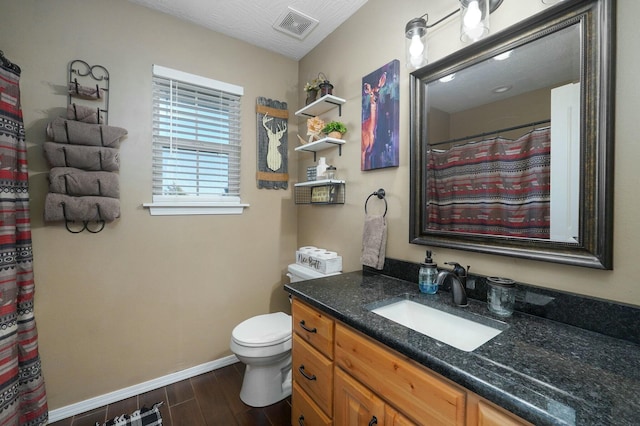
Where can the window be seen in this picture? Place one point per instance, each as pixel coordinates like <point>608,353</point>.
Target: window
<point>196,144</point>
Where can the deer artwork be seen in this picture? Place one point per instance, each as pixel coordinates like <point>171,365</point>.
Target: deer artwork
<point>369,124</point>
<point>274,158</point>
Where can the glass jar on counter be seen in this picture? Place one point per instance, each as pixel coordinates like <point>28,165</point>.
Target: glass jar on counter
<point>501,295</point>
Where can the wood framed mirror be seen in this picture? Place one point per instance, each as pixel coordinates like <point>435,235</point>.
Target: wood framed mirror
<point>512,141</point>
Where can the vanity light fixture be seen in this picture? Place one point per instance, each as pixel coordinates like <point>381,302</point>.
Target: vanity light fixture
<point>474,19</point>
<point>474,24</point>
<point>416,42</point>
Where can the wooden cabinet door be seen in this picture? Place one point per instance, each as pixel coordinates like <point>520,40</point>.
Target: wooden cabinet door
<point>483,413</point>
<point>393,418</point>
<point>354,404</point>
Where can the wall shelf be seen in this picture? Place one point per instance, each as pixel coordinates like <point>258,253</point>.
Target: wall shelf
<point>322,105</point>
<point>325,191</point>
<point>321,145</point>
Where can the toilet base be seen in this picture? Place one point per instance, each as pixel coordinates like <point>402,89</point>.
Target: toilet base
<point>266,384</point>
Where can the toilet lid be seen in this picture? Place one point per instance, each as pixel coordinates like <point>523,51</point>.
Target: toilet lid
<point>263,330</point>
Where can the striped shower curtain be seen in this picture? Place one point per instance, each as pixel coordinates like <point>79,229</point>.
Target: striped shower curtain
<point>22,392</point>
<point>496,186</point>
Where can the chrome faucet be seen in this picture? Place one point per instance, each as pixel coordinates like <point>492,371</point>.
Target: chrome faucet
<point>458,279</point>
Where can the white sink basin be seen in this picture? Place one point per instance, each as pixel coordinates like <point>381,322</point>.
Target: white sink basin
<point>461,333</point>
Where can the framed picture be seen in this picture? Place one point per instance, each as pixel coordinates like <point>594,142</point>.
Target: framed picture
<point>381,117</point>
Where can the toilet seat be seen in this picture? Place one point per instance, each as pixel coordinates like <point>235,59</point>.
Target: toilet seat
<point>263,330</point>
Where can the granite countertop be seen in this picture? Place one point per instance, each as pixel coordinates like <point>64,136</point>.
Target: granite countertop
<point>546,372</point>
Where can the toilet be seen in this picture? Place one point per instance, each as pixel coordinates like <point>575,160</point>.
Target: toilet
<point>263,344</point>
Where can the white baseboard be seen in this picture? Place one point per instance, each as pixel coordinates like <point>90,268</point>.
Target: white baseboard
<point>115,396</point>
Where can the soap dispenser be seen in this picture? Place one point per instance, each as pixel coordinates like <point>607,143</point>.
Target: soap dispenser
<point>427,275</point>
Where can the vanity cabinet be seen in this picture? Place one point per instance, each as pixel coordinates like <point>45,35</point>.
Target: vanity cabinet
<point>351,379</point>
<point>312,366</point>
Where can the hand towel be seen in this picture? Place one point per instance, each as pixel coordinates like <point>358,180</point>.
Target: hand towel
<point>60,207</point>
<point>86,92</point>
<point>84,114</point>
<point>91,158</point>
<point>78,133</point>
<point>76,182</point>
<point>374,241</point>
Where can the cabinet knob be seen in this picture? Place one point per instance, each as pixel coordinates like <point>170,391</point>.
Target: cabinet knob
<point>374,421</point>
<point>301,420</point>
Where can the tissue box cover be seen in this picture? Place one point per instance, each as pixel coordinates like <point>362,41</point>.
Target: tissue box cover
<point>324,266</point>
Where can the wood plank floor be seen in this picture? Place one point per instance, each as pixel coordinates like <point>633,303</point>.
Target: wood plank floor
<point>205,400</point>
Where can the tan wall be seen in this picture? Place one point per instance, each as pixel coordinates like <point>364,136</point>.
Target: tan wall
<point>514,111</point>
<point>373,37</point>
<point>148,296</point>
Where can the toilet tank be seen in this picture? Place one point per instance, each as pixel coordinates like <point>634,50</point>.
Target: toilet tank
<point>301,273</point>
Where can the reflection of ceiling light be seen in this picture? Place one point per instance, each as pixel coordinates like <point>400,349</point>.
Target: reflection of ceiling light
<point>502,89</point>
<point>503,56</point>
<point>448,78</point>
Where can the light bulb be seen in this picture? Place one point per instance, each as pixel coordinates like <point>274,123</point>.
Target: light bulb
<point>473,16</point>
<point>416,47</point>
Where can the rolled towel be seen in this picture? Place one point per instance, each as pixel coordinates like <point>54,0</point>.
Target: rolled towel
<point>90,158</point>
<point>85,92</point>
<point>60,207</point>
<point>374,241</point>
<point>78,133</point>
<point>84,114</point>
<point>76,182</point>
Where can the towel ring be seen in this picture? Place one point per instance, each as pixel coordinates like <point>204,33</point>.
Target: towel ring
<point>381,195</point>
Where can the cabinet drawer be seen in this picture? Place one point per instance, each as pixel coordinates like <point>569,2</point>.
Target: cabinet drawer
<point>314,373</point>
<point>314,327</point>
<point>417,392</point>
<point>304,412</point>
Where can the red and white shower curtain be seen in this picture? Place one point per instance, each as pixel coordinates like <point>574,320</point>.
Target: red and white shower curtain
<point>22,392</point>
<point>496,186</point>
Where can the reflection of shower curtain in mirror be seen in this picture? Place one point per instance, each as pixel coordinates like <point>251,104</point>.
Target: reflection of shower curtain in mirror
<point>496,186</point>
<point>23,400</point>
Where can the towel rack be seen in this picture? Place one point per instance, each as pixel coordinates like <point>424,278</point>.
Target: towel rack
<point>91,75</point>
<point>381,195</point>
<point>85,223</point>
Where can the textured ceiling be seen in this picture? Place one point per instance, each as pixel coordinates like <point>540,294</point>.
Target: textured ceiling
<point>253,21</point>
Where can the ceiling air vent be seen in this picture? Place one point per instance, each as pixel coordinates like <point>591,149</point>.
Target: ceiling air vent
<point>295,24</point>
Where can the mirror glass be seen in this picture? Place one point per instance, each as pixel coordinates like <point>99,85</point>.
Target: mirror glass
<point>511,141</point>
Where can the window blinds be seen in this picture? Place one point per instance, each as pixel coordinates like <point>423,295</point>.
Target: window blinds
<point>196,136</point>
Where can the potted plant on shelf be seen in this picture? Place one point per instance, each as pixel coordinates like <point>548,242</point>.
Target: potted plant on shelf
<point>334,129</point>
<point>311,88</point>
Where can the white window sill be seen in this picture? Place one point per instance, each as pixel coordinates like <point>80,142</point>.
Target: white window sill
<point>182,208</point>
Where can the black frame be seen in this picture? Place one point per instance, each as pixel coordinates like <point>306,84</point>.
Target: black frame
<point>595,249</point>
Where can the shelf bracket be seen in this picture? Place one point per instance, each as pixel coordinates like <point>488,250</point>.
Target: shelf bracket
<point>338,105</point>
